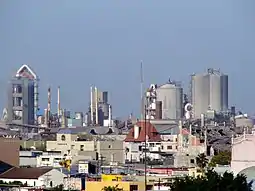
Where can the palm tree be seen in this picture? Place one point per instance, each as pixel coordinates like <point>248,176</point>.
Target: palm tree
<point>112,188</point>
<point>201,161</point>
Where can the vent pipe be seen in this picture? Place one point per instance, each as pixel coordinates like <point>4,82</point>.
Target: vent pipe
<point>91,106</point>
<point>96,105</point>
<point>110,115</point>
<point>49,100</point>
<point>59,110</point>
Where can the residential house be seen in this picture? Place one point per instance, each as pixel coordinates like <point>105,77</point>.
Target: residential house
<point>165,139</point>
<point>34,177</point>
<point>243,159</point>
<point>83,146</point>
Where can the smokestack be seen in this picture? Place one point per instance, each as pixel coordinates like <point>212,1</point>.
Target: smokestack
<point>91,105</point>
<point>110,115</point>
<point>96,105</point>
<point>59,102</point>
<point>46,117</point>
<point>49,100</point>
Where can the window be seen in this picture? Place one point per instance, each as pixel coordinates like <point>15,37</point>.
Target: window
<point>192,161</point>
<point>63,138</point>
<point>169,147</point>
<point>82,147</point>
<point>140,148</point>
<point>133,187</point>
<point>109,146</point>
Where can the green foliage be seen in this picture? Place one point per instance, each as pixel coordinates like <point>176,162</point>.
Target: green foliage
<point>212,181</point>
<point>223,158</point>
<point>201,161</point>
<point>14,183</point>
<point>112,188</point>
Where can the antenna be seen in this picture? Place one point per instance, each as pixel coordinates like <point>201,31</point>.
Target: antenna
<point>141,83</point>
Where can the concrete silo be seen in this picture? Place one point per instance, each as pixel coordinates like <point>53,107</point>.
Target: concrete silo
<point>209,91</point>
<point>171,96</point>
<point>224,93</point>
<point>200,90</point>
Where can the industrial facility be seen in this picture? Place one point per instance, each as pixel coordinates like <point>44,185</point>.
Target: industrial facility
<point>100,111</point>
<point>23,97</point>
<point>165,101</point>
<point>209,92</point>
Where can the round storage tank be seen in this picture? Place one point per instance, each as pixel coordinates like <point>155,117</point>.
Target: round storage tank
<point>224,89</point>
<point>200,91</point>
<point>171,96</point>
<point>215,92</point>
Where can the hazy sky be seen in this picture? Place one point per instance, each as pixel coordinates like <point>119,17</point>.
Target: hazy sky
<point>75,44</point>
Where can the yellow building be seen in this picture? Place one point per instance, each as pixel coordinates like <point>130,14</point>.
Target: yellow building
<point>194,172</point>
<point>126,186</point>
<point>111,177</point>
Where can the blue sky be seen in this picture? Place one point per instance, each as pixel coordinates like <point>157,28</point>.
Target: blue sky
<point>76,44</point>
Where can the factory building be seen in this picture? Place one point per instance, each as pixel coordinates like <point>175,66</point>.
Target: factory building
<point>21,101</point>
<point>23,97</point>
<point>209,91</point>
<point>99,110</point>
<point>165,101</point>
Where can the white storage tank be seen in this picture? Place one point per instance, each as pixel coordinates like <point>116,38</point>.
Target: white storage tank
<point>171,96</point>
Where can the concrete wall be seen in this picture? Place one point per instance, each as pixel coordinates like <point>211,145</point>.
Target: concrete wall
<point>241,158</point>
<point>110,150</point>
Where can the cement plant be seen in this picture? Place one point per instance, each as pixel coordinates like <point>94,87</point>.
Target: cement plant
<point>75,148</point>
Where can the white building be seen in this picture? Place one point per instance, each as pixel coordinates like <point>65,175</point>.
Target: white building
<point>40,159</point>
<point>34,177</point>
<point>49,160</point>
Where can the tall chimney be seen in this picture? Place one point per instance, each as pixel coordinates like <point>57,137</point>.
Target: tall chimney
<point>96,105</point>
<point>49,102</point>
<point>46,117</point>
<point>110,116</point>
<point>91,105</point>
<point>59,102</point>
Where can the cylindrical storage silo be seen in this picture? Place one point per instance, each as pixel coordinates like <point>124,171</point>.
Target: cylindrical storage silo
<point>215,92</point>
<point>224,92</point>
<point>158,110</point>
<point>200,90</point>
<point>171,96</point>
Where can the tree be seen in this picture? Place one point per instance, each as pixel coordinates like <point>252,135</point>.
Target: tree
<point>112,188</point>
<point>223,158</point>
<point>201,161</point>
<point>212,181</point>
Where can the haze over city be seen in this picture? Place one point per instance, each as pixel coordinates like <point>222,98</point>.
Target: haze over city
<point>76,44</point>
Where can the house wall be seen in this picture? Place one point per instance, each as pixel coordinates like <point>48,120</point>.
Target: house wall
<point>75,184</point>
<point>30,182</point>
<point>49,160</point>
<point>54,176</point>
<point>27,161</point>
<point>241,158</point>
<point>110,150</point>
